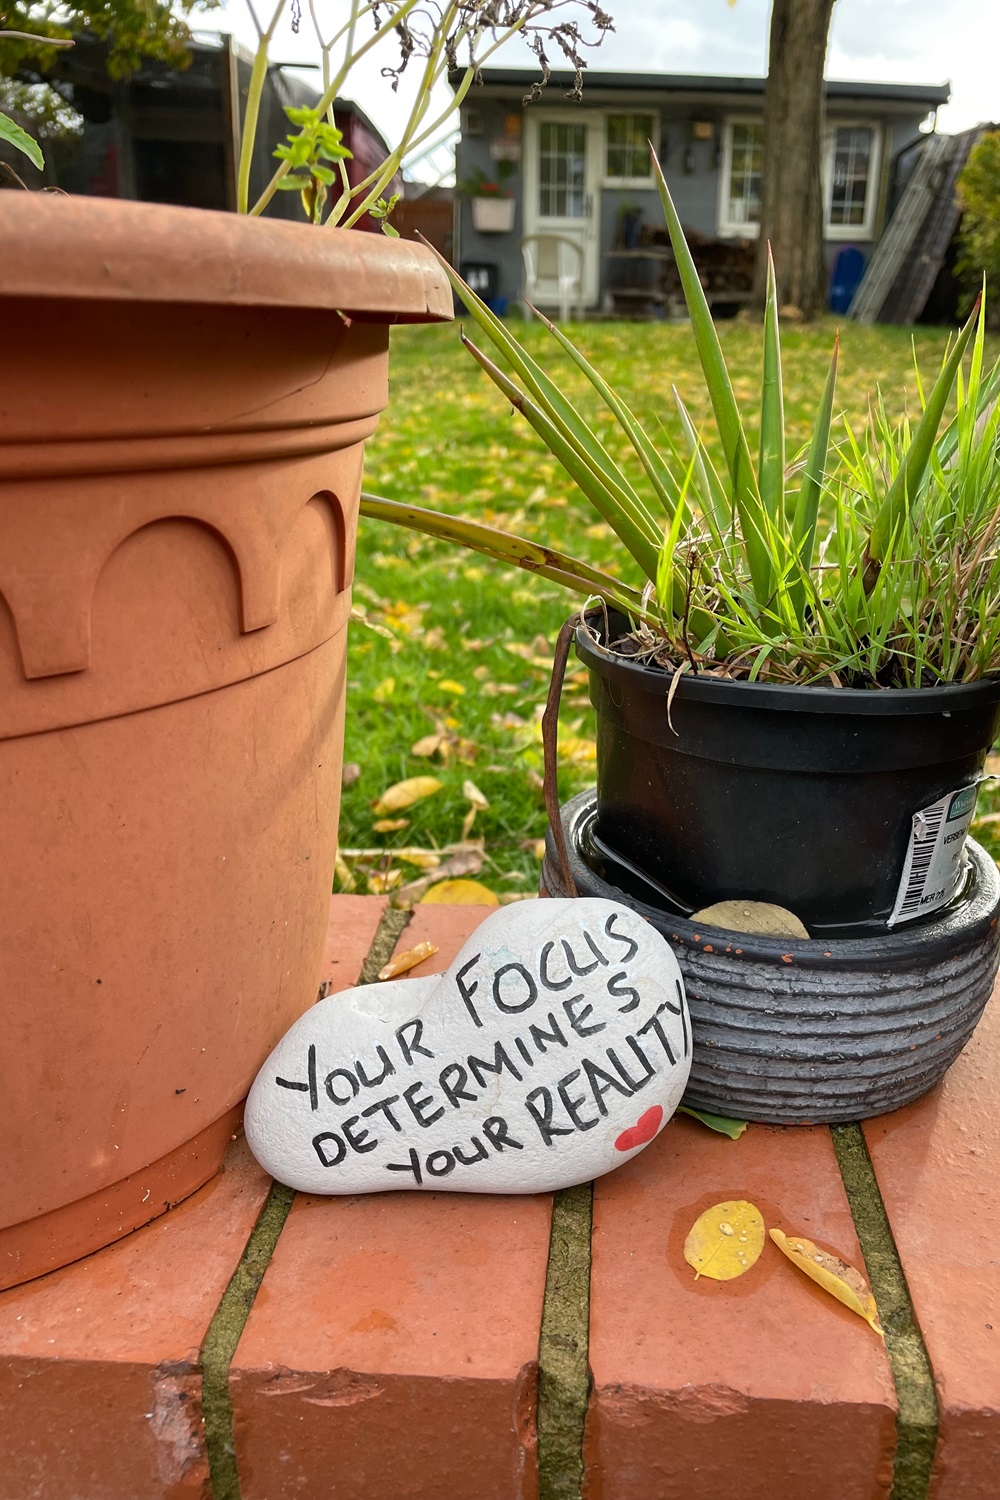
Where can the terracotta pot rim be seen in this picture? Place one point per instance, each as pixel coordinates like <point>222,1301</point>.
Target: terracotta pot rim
<point>74,247</point>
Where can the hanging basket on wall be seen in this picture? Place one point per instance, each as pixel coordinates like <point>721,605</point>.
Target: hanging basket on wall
<point>493,215</point>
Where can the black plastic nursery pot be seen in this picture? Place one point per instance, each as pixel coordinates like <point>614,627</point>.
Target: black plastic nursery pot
<point>807,797</point>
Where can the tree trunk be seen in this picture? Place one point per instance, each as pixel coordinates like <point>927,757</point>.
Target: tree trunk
<point>792,193</point>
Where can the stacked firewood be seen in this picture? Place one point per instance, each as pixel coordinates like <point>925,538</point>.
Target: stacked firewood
<point>724,266</point>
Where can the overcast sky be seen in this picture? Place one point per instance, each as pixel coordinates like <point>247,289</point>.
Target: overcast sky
<point>904,41</point>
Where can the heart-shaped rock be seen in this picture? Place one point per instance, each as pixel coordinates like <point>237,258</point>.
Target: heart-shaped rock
<point>557,1043</point>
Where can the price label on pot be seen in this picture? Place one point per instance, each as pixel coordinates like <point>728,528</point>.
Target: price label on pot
<point>935,858</point>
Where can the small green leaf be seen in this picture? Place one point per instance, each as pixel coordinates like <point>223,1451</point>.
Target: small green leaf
<point>733,1128</point>
<point>287,184</point>
<point>388,229</point>
<point>21,141</point>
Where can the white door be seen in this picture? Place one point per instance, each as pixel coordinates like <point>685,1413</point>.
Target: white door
<point>562,174</point>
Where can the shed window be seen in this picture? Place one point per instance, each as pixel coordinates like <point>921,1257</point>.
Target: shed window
<point>562,170</point>
<point>850,155</point>
<point>850,164</point>
<point>627,145</point>
<point>746,161</point>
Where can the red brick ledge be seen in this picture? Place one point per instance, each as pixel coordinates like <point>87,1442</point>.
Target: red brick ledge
<point>391,1348</point>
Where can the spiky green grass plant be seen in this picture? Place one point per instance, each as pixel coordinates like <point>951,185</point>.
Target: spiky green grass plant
<point>870,559</point>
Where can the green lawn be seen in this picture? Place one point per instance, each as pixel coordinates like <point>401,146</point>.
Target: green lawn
<point>455,649</point>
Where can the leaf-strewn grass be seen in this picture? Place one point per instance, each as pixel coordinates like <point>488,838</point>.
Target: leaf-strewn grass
<point>456,647</point>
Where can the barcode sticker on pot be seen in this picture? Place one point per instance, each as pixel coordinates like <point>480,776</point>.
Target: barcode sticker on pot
<point>935,858</point>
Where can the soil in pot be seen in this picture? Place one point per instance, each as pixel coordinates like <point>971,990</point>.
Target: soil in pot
<point>827,801</point>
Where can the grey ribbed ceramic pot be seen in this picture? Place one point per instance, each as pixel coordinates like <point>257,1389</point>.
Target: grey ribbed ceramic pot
<point>802,1031</point>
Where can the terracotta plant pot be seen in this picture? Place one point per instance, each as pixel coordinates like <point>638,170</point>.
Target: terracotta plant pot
<point>184,406</point>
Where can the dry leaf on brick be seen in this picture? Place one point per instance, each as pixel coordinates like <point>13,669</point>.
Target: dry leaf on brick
<point>725,1241</point>
<point>401,963</point>
<point>406,793</point>
<point>832,1274</point>
<point>460,893</point>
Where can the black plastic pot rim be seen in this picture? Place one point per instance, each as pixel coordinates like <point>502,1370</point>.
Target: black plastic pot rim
<point>910,944</point>
<point>795,698</point>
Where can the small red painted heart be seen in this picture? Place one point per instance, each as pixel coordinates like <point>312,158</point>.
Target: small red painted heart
<point>642,1131</point>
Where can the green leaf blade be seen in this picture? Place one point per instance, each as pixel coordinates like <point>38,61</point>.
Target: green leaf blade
<point>905,487</point>
<point>730,424</point>
<point>721,1123</point>
<point>771,464</point>
<point>21,141</point>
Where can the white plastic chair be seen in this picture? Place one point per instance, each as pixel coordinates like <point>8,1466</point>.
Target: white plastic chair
<point>552,258</point>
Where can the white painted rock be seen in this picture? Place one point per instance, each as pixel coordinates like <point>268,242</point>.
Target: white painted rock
<point>555,1047</point>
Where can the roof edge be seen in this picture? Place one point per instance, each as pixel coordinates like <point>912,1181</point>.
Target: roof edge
<point>932,94</point>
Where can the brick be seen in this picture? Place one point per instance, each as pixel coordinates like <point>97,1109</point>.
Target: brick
<point>448,927</point>
<point>99,1390</point>
<point>351,930</point>
<point>938,1169</point>
<point>392,1348</point>
<point>755,1387</point>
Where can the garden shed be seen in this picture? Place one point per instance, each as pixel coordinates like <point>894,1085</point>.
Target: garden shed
<point>579,171</point>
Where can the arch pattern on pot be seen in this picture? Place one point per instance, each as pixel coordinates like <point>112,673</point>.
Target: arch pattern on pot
<point>292,579</point>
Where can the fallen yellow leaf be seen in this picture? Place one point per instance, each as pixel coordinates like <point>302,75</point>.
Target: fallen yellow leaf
<point>468,821</point>
<point>448,685</point>
<point>472,794</point>
<point>832,1274</point>
<point>571,747</point>
<point>390,825</point>
<point>378,885</point>
<point>725,1241</point>
<point>429,745</point>
<point>424,859</point>
<point>460,893</point>
<point>403,962</point>
<point>405,793</point>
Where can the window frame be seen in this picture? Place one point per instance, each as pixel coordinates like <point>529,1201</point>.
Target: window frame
<point>726,229</point>
<point>866,229</point>
<point>648,181</point>
<point>560,119</point>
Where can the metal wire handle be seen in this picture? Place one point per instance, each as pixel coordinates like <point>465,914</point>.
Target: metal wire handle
<point>550,747</point>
